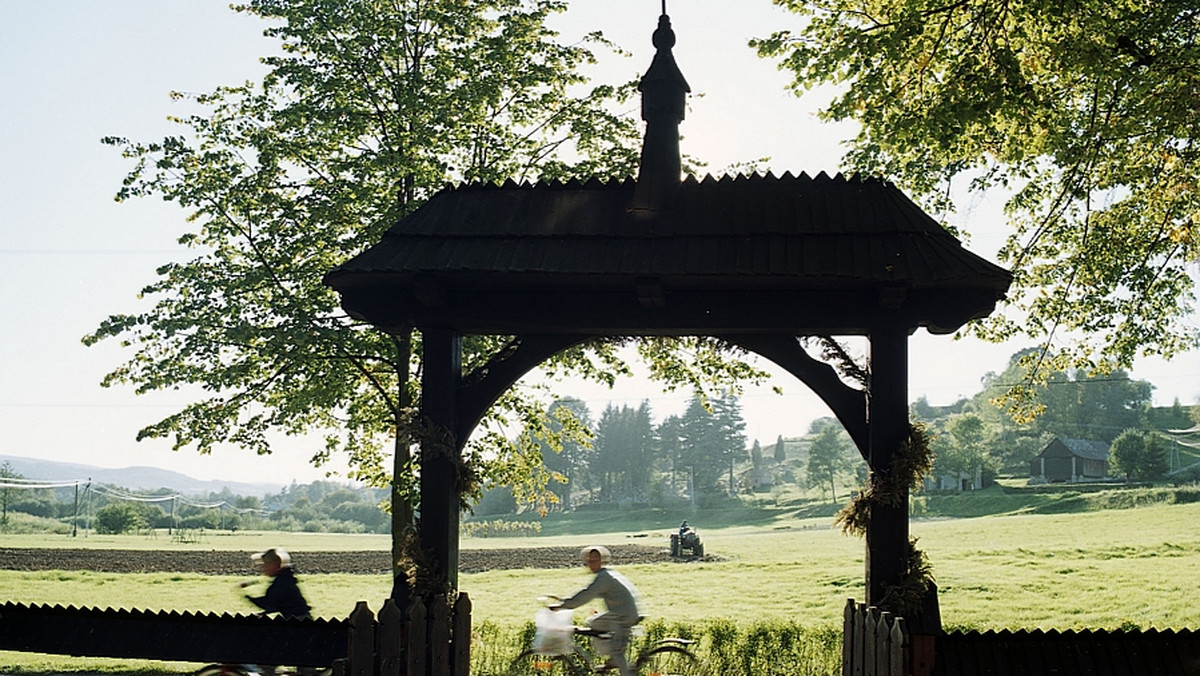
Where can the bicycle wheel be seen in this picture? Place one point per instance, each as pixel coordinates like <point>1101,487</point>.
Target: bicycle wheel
<point>669,660</point>
<point>530,663</point>
<point>223,670</point>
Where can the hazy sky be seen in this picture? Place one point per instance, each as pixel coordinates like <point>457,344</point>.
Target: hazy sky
<point>73,71</point>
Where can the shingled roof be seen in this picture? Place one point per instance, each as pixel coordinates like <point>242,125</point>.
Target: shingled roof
<point>1085,448</point>
<point>799,253</point>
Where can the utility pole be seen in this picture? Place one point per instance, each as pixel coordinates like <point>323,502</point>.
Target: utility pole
<point>692,485</point>
<point>87,498</point>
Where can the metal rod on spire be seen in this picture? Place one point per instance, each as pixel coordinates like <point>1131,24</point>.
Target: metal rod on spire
<point>664,6</point>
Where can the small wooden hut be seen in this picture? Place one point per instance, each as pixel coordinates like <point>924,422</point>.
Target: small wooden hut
<point>1072,460</point>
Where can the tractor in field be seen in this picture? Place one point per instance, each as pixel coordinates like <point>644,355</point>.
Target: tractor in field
<point>686,542</point>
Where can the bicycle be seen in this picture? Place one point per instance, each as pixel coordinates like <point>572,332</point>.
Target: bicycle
<point>259,670</point>
<point>669,656</point>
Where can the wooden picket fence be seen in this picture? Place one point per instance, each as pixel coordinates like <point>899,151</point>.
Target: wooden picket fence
<point>874,642</point>
<point>428,640</point>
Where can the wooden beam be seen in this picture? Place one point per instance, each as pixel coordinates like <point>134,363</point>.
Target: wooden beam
<point>484,385</point>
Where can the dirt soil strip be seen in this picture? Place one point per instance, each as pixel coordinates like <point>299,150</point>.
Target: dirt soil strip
<point>314,563</point>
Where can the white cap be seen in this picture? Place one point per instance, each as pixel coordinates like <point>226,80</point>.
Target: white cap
<point>605,555</point>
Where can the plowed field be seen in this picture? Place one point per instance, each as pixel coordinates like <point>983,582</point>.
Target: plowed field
<point>313,563</point>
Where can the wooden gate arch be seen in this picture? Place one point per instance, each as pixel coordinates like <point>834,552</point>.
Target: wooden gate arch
<point>757,261</point>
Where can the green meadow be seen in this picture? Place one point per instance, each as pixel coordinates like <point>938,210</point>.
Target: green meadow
<point>1029,565</point>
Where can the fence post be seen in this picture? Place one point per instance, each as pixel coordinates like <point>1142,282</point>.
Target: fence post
<point>883,630</point>
<point>869,634</point>
<point>899,641</point>
<point>860,632</point>
<point>848,637</point>
<point>389,639</point>
<point>361,649</point>
<point>439,635</point>
<point>461,657</point>
<point>416,646</point>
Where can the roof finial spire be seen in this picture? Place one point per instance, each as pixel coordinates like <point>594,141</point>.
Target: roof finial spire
<point>664,100</point>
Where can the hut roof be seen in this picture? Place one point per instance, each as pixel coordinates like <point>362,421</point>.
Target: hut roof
<point>1083,448</point>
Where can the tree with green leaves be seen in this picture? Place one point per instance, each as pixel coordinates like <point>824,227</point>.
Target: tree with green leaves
<point>1139,455</point>
<point>780,450</point>
<point>711,441</point>
<point>829,458</point>
<point>1084,112</point>
<point>367,110</point>
<point>624,453</point>
<point>1074,403</point>
<point>965,450</point>
<point>566,451</point>
<point>672,452</point>
<point>119,517</point>
<point>731,431</point>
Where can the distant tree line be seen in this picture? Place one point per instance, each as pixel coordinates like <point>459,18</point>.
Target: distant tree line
<point>702,455</point>
<point>623,457</point>
<point>321,506</point>
<point>974,435</point>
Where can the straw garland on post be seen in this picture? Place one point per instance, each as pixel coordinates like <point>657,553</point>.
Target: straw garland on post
<point>911,463</point>
<point>416,564</point>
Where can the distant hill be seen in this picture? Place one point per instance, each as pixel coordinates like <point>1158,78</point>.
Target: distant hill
<point>133,478</point>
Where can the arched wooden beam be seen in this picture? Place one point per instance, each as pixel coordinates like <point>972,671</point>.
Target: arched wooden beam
<point>483,386</point>
<point>848,404</point>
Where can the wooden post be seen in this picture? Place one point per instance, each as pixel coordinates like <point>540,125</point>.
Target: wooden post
<point>439,449</point>
<point>361,650</point>
<point>389,639</point>
<point>416,646</point>
<point>887,530</point>
<point>461,657</point>
<point>920,654</point>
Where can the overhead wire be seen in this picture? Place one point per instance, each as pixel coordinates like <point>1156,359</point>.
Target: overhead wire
<point>120,494</point>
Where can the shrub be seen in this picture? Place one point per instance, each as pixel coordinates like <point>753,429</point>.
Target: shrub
<point>26,524</point>
<point>723,646</point>
<point>119,517</point>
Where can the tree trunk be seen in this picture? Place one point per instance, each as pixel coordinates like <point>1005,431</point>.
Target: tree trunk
<point>402,511</point>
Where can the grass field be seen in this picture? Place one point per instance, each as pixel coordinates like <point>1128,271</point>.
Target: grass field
<point>1138,566</point>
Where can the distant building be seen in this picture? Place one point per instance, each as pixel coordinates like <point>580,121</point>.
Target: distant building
<point>1072,460</point>
<point>761,478</point>
<point>960,481</point>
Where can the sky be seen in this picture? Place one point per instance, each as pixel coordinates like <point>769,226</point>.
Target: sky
<point>74,71</point>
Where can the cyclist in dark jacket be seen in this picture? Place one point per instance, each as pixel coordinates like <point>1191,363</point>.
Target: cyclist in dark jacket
<point>283,594</point>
